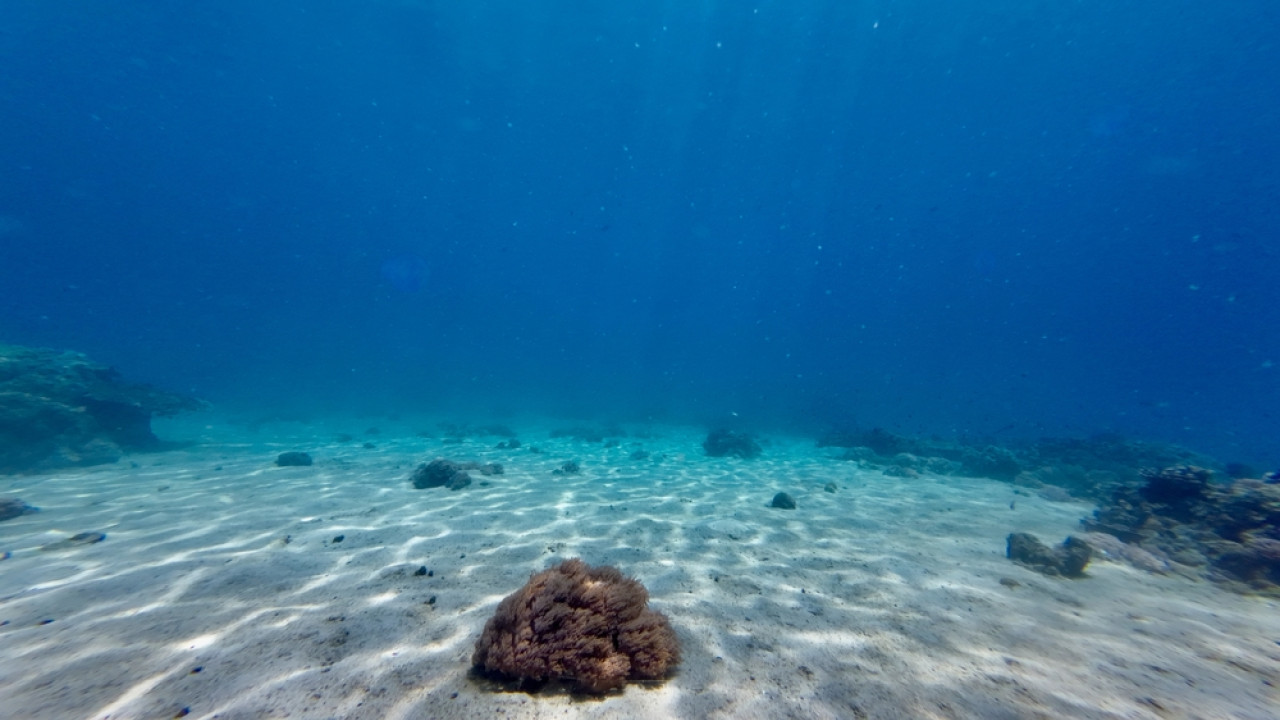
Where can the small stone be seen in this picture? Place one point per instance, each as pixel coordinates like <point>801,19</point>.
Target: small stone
<point>440,473</point>
<point>84,538</point>
<point>1068,559</point>
<point>783,501</point>
<point>829,487</point>
<point>570,467</point>
<point>11,508</point>
<point>339,538</point>
<point>293,459</point>
<point>421,572</point>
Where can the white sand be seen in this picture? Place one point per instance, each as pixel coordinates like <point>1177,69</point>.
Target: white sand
<point>882,600</point>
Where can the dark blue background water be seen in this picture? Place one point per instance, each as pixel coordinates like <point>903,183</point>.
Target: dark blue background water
<point>931,216</point>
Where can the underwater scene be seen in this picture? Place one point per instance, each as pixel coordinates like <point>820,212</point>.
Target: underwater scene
<point>847,359</point>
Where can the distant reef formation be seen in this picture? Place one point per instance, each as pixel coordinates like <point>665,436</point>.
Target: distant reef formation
<point>722,442</point>
<point>1090,468</point>
<point>60,409</point>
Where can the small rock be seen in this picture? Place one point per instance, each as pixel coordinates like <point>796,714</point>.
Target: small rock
<point>84,538</point>
<point>339,538</point>
<point>569,468</point>
<point>784,501</point>
<point>421,571</point>
<point>293,459</point>
<point>11,508</point>
<point>1068,559</point>
<point>829,487</point>
<point>438,473</point>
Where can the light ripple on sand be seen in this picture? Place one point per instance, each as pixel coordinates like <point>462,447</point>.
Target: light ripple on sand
<point>882,599</point>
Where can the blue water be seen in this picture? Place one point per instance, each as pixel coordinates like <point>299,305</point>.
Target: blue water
<point>1010,217</point>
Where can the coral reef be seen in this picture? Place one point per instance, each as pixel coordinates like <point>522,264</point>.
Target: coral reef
<point>60,409</point>
<point>586,625</point>
<point>1086,468</point>
<point>725,443</point>
<point>1175,486</point>
<point>1230,530</point>
<point>908,457</point>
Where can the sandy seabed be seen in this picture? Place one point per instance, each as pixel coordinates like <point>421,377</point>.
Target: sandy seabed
<point>222,590</point>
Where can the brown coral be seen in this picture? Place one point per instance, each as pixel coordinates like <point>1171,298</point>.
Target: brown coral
<point>588,625</point>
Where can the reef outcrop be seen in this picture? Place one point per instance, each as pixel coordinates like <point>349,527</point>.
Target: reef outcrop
<point>1230,531</point>
<point>60,409</point>
<point>1083,468</point>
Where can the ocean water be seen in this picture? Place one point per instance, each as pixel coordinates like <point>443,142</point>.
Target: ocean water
<point>544,257</point>
<point>1000,218</point>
